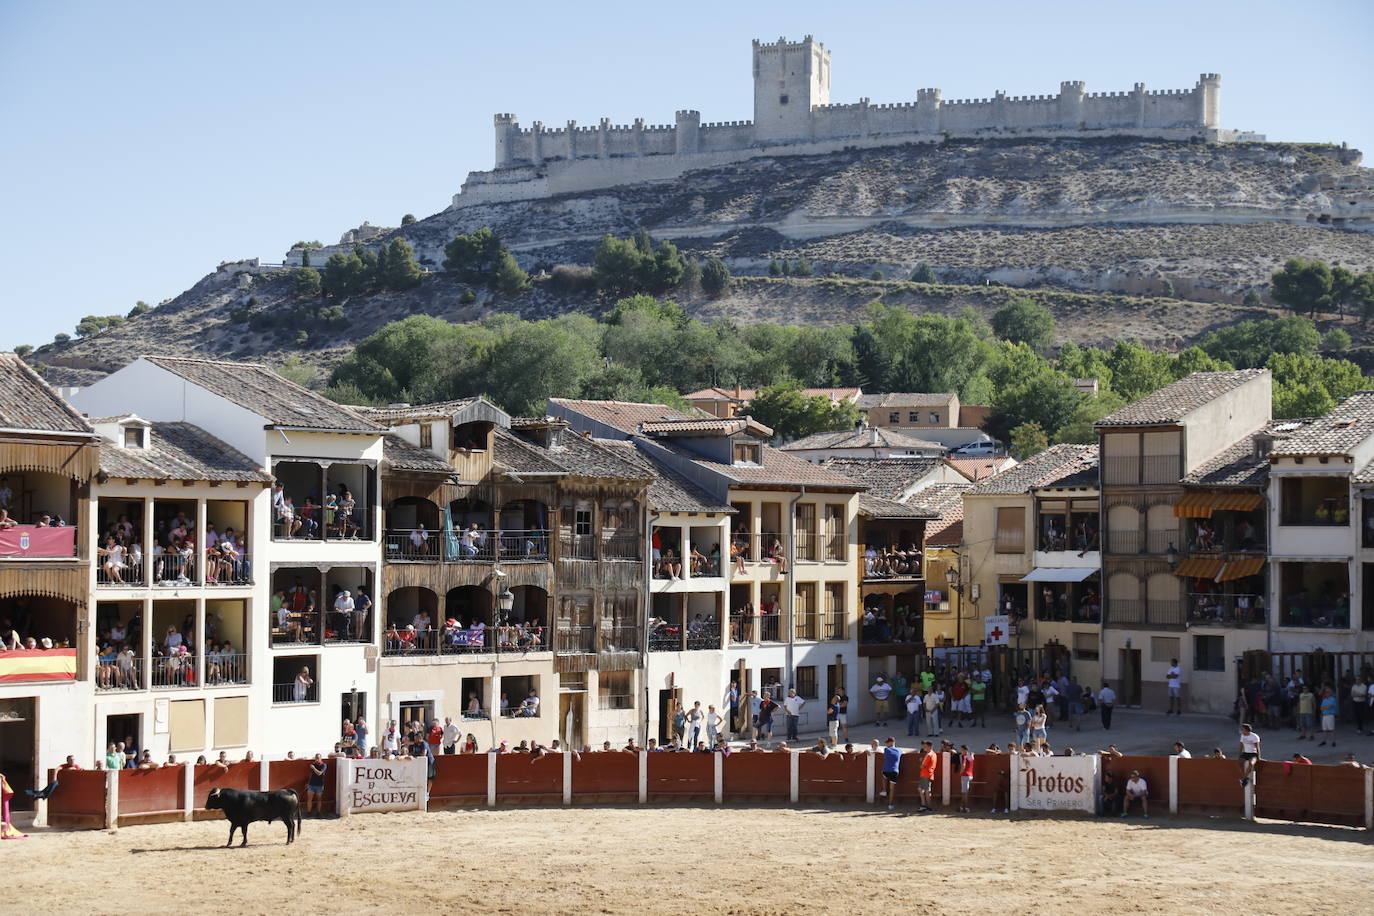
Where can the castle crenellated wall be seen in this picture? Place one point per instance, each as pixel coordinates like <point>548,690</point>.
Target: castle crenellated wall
<point>1073,108</point>
<point>793,115</point>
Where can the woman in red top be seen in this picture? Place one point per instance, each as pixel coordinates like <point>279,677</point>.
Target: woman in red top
<point>965,775</point>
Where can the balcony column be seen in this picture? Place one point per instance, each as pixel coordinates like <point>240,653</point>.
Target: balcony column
<point>146,650</point>
<point>148,540</point>
<point>199,558</point>
<point>684,549</point>
<point>200,630</point>
<point>324,491</point>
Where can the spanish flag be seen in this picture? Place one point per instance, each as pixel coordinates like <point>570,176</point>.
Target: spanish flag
<point>21,665</point>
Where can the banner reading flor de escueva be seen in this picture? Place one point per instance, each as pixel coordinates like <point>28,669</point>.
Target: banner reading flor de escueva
<point>381,785</point>
<point>1055,783</point>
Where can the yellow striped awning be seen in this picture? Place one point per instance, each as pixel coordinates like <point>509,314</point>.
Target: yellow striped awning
<point>1199,568</point>
<point>1202,505</point>
<point>1239,569</point>
<point>1239,501</point>
<point>1194,505</point>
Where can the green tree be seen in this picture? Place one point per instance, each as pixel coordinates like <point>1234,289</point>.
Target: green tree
<point>923,274</point>
<point>1336,340</point>
<point>877,275</point>
<point>792,413</point>
<point>473,257</point>
<point>545,359</point>
<point>1080,427</point>
<point>618,267</point>
<point>307,284</point>
<point>1249,344</point>
<point>1137,371</point>
<point>308,245</point>
<point>399,270</point>
<point>508,279</point>
<point>1084,362</point>
<point>643,242</point>
<point>61,338</point>
<point>691,275</point>
<point>23,350</point>
<point>94,324</point>
<point>467,297</point>
<point>715,278</point>
<point>1343,284</point>
<point>344,275</point>
<point>1362,296</point>
<point>1303,286</point>
<point>140,308</point>
<point>407,219</point>
<point>658,308</point>
<point>802,268</point>
<point>295,369</point>
<point>775,268</point>
<point>1252,299</point>
<point>1306,385</point>
<point>1024,321</point>
<point>664,270</point>
<point>1028,439</point>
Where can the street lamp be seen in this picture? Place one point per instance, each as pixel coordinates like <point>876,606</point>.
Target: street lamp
<point>504,602</point>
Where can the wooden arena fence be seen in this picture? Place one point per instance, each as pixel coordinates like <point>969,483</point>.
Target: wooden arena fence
<point>1284,791</point>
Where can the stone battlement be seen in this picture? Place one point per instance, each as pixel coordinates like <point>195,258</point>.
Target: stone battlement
<point>792,110</point>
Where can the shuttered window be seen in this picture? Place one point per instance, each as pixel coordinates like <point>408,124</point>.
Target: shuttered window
<point>1011,529</point>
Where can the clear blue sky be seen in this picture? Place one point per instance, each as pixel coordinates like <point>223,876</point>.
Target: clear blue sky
<point>143,143</point>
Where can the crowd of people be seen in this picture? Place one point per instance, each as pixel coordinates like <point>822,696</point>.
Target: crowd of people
<point>453,635</point>
<point>891,561</point>
<point>175,547</point>
<point>1311,709</point>
<point>298,617</point>
<point>334,517</point>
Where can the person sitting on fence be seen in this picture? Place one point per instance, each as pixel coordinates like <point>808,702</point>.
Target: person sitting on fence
<point>1137,790</point>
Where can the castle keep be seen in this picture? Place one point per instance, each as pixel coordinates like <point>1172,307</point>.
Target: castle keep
<point>792,109</point>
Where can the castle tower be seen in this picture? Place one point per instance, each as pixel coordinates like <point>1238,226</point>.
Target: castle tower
<point>790,78</point>
<point>1071,93</point>
<point>687,136</point>
<point>1209,99</point>
<point>506,125</point>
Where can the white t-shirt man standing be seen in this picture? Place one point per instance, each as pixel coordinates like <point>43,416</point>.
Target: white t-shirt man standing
<point>1174,679</point>
<point>880,690</point>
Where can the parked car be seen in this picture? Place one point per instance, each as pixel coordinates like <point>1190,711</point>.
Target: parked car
<point>983,449</point>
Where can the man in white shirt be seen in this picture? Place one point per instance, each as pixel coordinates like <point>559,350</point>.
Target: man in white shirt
<point>1106,700</point>
<point>452,735</point>
<point>343,610</point>
<point>530,705</point>
<point>915,706</point>
<point>792,706</point>
<point>1181,752</point>
<point>1174,678</point>
<point>880,690</point>
<point>1136,790</point>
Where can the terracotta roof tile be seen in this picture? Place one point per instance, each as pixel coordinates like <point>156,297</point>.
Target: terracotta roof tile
<point>947,501</point>
<point>872,437</point>
<point>721,426</point>
<point>888,478</point>
<point>668,490</point>
<point>257,388</point>
<point>403,456</point>
<point>1336,433</point>
<point>906,399</point>
<point>398,414</point>
<point>27,402</point>
<point>1054,463</point>
<point>1175,401</point>
<point>180,451</point>
<point>626,416</point>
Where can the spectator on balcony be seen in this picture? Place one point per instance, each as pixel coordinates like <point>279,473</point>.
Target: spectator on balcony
<point>468,542</point>
<point>362,607</point>
<point>300,689</point>
<point>113,559</point>
<point>287,522</point>
<point>670,567</point>
<point>697,559</point>
<point>344,606</point>
<point>5,520</point>
<point>776,555</point>
<point>347,526</point>
<point>419,541</point>
<point>423,623</point>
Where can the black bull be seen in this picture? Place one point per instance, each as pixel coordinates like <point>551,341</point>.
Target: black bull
<point>242,807</point>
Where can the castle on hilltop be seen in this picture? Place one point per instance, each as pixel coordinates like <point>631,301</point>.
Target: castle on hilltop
<point>792,109</point>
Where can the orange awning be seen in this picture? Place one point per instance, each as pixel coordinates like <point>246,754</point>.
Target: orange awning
<point>1240,501</point>
<point>1199,568</point>
<point>1239,569</point>
<point>1202,505</point>
<point>1195,505</point>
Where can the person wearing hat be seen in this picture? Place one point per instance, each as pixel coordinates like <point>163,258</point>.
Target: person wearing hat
<point>1136,790</point>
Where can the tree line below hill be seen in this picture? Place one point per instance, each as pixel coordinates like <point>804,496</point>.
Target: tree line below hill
<point>649,349</point>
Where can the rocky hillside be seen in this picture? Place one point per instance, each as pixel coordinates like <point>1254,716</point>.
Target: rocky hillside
<point>1098,228</point>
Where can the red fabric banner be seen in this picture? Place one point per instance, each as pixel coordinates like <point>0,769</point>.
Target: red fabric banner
<point>38,541</point>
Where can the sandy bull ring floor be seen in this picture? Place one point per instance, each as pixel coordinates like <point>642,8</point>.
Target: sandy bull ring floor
<point>696,860</point>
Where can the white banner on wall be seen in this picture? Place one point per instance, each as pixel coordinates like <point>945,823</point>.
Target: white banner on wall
<point>995,629</point>
<point>1054,783</point>
<point>381,785</point>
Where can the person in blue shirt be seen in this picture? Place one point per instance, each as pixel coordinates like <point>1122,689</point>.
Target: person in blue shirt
<point>892,771</point>
<point>1327,708</point>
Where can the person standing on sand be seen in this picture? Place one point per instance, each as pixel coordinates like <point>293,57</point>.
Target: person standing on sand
<point>1106,702</point>
<point>892,771</point>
